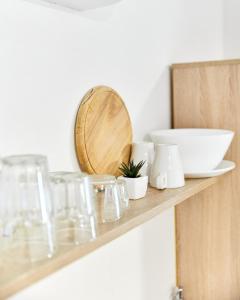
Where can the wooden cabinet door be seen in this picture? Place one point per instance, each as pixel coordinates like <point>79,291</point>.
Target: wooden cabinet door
<point>207,95</point>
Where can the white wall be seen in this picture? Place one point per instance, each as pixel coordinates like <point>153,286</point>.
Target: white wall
<point>49,58</point>
<point>232,29</point>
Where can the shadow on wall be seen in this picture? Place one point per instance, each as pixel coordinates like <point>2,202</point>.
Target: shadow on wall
<point>75,164</point>
<point>97,14</point>
<point>159,98</point>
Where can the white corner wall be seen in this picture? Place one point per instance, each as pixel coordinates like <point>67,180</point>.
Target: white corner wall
<point>231,38</point>
<point>49,58</point>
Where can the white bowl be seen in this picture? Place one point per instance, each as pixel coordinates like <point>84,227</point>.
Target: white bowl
<point>200,149</point>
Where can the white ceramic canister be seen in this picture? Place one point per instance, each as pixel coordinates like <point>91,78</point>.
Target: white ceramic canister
<point>143,151</point>
<point>167,170</point>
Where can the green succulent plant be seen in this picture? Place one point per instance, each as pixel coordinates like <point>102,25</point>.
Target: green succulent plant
<point>131,170</point>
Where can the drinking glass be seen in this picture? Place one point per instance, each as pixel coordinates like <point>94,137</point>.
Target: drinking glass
<point>108,205</point>
<point>59,192</point>
<point>143,151</point>
<point>26,208</point>
<point>74,208</point>
<point>112,206</point>
<point>123,193</point>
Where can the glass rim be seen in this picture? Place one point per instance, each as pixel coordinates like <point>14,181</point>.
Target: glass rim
<point>67,175</point>
<point>102,179</point>
<point>24,159</point>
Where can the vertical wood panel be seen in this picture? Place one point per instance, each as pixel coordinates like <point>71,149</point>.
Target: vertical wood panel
<point>208,225</point>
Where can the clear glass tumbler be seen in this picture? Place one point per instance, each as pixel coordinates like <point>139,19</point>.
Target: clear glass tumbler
<point>60,194</point>
<point>108,205</point>
<point>123,193</point>
<point>112,206</point>
<point>74,208</point>
<point>26,208</point>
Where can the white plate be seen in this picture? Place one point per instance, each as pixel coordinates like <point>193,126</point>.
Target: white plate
<point>223,167</point>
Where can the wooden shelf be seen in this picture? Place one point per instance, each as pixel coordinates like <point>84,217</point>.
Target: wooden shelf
<point>15,277</point>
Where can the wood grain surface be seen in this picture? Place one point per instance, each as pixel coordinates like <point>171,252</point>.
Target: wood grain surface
<point>103,132</point>
<point>15,276</point>
<point>207,95</point>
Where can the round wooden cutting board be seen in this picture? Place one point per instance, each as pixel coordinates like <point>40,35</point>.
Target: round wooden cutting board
<point>103,132</point>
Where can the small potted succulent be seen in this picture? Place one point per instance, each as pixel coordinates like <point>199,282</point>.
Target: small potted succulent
<point>136,183</point>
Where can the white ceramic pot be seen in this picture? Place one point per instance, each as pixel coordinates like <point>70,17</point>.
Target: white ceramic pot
<point>143,151</point>
<point>137,187</point>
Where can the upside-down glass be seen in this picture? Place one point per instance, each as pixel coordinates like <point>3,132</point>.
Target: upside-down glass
<point>59,193</point>
<point>74,208</point>
<point>26,208</point>
<point>108,205</point>
<point>123,193</point>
